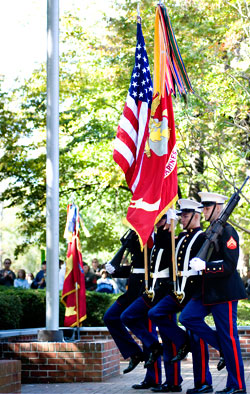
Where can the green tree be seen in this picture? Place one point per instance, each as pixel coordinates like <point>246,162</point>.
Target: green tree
<point>212,125</point>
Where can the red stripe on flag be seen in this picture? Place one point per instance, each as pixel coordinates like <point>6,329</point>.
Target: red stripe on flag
<point>125,138</point>
<point>129,114</point>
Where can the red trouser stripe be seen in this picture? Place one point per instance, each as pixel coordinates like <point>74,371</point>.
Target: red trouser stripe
<point>231,332</point>
<point>203,364</point>
<point>175,366</point>
<point>156,372</point>
<point>155,363</point>
<point>176,382</point>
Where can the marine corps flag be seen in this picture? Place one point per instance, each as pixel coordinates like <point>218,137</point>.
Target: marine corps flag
<point>73,294</point>
<point>156,190</point>
<point>146,151</point>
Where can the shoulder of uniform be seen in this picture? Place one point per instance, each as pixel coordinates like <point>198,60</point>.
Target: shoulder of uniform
<point>182,234</point>
<point>230,231</point>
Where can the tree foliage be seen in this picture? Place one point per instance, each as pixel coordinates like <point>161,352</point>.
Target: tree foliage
<point>212,125</point>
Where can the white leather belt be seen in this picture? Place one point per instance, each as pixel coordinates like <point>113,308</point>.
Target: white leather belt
<point>137,271</point>
<point>160,274</point>
<point>188,273</point>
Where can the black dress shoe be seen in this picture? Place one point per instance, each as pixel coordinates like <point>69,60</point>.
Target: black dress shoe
<point>166,388</point>
<point>227,390</point>
<point>182,352</point>
<point>221,364</point>
<point>155,353</point>
<point>134,361</point>
<point>205,388</point>
<point>144,385</point>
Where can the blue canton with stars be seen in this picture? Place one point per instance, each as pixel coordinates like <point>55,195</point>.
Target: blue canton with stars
<point>141,83</point>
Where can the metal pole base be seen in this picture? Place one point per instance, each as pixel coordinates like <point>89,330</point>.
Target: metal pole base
<point>50,336</point>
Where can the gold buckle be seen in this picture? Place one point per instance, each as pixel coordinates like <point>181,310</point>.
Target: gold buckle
<point>150,294</point>
<point>179,273</point>
<point>179,296</point>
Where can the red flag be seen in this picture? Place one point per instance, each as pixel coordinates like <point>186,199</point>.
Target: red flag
<point>157,190</point>
<point>152,173</point>
<point>73,294</point>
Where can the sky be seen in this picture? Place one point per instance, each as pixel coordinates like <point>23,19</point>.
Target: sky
<point>23,25</point>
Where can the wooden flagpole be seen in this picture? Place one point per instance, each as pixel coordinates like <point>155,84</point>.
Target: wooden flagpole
<point>77,312</point>
<point>145,249</point>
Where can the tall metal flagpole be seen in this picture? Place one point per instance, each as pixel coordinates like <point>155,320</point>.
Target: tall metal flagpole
<point>52,172</point>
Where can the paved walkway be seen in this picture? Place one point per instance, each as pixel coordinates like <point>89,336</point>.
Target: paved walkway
<point>122,383</point>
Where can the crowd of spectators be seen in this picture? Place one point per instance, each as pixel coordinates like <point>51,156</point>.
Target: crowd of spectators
<point>96,277</point>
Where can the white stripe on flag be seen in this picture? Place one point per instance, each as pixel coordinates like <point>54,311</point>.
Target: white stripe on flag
<point>132,105</point>
<point>133,187</point>
<point>124,150</point>
<point>143,116</point>
<point>128,128</point>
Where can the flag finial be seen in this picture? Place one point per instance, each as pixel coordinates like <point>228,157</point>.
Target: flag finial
<point>138,12</point>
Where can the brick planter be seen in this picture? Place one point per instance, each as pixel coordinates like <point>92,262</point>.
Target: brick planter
<point>10,376</point>
<point>50,362</point>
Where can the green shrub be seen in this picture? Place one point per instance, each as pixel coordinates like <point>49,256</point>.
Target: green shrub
<point>26,308</point>
<point>97,304</point>
<point>11,310</point>
<point>34,308</point>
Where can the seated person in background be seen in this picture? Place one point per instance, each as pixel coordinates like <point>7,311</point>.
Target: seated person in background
<point>21,281</point>
<point>90,278</point>
<point>122,284</point>
<point>30,278</point>
<point>39,282</point>
<point>247,285</point>
<point>7,276</point>
<point>96,269</point>
<point>106,284</point>
<point>62,270</point>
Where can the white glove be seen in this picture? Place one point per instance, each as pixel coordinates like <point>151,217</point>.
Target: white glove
<point>109,268</point>
<point>171,214</point>
<point>197,264</point>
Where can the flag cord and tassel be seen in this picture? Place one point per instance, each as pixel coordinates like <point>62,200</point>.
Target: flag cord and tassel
<point>173,251</point>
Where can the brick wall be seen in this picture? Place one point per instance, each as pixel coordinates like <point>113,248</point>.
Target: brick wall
<point>50,362</point>
<point>10,376</point>
<point>244,334</point>
<point>102,333</point>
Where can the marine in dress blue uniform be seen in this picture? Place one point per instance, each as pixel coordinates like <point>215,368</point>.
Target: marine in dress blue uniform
<point>122,337</point>
<point>160,284</point>
<point>222,287</point>
<point>188,282</point>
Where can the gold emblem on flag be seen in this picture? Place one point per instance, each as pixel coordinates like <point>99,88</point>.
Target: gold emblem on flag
<point>70,311</point>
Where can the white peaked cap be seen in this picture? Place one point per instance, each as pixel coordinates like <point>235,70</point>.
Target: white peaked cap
<point>212,197</point>
<point>192,205</point>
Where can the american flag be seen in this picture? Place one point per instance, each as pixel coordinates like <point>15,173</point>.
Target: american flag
<point>133,127</point>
